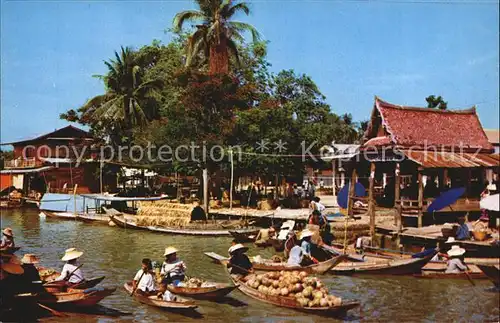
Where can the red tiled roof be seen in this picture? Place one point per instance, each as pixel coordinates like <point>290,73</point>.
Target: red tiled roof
<point>424,127</point>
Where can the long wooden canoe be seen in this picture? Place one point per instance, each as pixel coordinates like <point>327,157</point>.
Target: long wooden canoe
<point>77,297</point>
<point>244,236</point>
<point>123,222</point>
<point>181,304</point>
<point>268,265</point>
<point>216,290</point>
<point>382,267</point>
<point>443,275</point>
<point>84,217</point>
<point>9,250</point>
<point>57,286</point>
<point>492,272</point>
<point>290,302</point>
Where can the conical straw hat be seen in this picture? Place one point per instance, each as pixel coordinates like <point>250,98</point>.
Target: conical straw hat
<point>71,254</point>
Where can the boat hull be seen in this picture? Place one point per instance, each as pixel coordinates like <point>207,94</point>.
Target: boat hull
<point>290,302</point>
<point>245,236</point>
<point>217,291</point>
<point>58,286</point>
<point>389,267</point>
<point>154,301</point>
<point>122,222</point>
<point>76,297</point>
<point>492,272</point>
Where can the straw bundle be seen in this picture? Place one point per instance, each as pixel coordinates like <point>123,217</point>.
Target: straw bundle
<point>163,213</point>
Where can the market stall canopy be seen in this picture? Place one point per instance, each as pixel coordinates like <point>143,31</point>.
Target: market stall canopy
<point>343,196</point>
<point>491,203</point>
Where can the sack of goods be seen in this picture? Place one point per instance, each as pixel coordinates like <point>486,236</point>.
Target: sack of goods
<point>307,291</point>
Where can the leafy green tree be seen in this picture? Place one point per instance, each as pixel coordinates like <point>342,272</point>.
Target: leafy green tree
<point>217,34</point>
<point>434,102</point>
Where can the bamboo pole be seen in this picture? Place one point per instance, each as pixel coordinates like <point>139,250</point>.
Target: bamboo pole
<point>100,176</point>
<point>397,198</point>
<point>420,197</point>
<point>74,198</point>
<point>371,202</point>
<point>205,191</point>
<point>350,200</point>
<point>333,177</point>
<point>232,179</point>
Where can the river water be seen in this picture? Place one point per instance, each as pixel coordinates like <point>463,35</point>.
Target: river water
<point>117,253</point>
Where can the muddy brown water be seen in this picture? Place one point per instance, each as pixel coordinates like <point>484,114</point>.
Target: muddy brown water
<point>117,253</point>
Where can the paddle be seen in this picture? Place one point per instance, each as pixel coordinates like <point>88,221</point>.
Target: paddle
<point>71,274</point>
<point>54,312</point>
<point>469,278</point>
<point>137,285</point>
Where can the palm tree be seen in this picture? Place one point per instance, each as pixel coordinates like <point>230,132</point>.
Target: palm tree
<point>126,93</point>
<point>217,35</point>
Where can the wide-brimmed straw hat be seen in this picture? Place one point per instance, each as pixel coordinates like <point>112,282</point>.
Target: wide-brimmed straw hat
<point>11,264</point>
<point>450,240</point>
<point>237,246</point>
<point>71,254</point>
<point>30,258</point>
<point>306,233</point>
<point>8,232</point>
<point>169,251</point>
<point>456,251</point>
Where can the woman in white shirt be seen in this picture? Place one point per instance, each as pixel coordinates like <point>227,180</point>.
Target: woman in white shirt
<point>70,272</point>
<point>173,269</point>
<point>144,282</point>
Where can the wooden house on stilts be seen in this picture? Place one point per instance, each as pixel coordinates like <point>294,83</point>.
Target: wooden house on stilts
<point>410,155</point>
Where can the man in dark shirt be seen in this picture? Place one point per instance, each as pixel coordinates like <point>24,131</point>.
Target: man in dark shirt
<point>239,264</point>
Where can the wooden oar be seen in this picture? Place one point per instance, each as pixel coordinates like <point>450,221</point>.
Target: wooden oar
<point>469,278</point>
<point>71,274</point>
<point>53,311</point>
<point>137,285</point>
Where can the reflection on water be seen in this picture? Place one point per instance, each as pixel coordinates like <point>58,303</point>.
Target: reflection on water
<point>117,254</point>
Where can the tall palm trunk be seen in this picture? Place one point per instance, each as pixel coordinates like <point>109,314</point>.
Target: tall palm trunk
<point>219,57</point>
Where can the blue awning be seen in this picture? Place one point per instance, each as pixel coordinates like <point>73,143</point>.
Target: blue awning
<point>66,203</point>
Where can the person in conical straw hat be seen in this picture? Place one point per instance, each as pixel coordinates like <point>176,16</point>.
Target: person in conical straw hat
<point>455,264</point>
<point>239,263</point>
<point>173,269</point>
<point>71,273</point>
<point>7,239</point>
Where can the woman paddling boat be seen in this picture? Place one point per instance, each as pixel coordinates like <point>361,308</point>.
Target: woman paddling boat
<point>71,272</point>
<point>7,239</point>
<point>239,262</point>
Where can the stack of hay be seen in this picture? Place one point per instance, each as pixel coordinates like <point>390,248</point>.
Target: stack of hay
<point>163,213</point>
<point>354,230</point>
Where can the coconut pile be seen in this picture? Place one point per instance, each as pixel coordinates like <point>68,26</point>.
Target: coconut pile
<point>307,291</point>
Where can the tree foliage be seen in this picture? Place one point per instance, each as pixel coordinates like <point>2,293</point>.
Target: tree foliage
<point>434,102</point>
<point>216,34</point>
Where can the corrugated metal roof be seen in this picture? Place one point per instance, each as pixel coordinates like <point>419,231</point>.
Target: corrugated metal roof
<point>444,159</point>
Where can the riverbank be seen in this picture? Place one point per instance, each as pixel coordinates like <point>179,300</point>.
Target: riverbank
<point>117,255</point>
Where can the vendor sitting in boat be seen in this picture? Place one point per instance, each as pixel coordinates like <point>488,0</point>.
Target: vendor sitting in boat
<point>173,269</point>
<point>71,273</point>
<point>455,264</point>
<point>298,257</point>
<point>463,232</point>
<point>144,282</point>
<point>7,239</point>
<point>264,236</point>
<point>239,264</point>
<point>305,244</point>
<point>31,274</point>
<point>483,223</point>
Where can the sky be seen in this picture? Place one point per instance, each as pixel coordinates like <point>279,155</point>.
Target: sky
<point>399,50</point>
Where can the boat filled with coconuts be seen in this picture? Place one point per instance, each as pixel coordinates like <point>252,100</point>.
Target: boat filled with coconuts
<point>293,289</point>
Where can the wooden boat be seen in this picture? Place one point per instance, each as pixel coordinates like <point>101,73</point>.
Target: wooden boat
<point>268,265</point>
<point>217,290</point>
<point>181,304</point>
<point>430,274</point>
<point>290,302</point>
<point>124,222</point>
<point>374,266</point>
<point>492,272</point>
<point>57,286</point>
<point>84,217</point>
<point>244,236</point>
<point>76,297</point>
<point>9,250</point>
